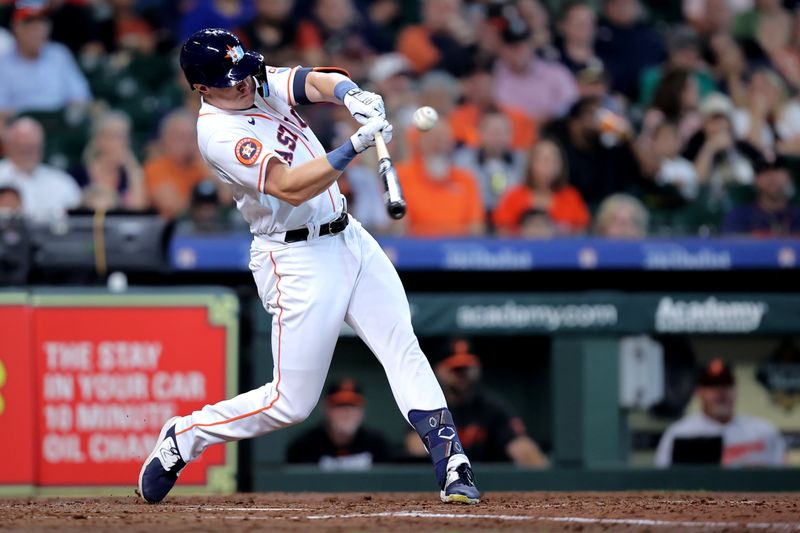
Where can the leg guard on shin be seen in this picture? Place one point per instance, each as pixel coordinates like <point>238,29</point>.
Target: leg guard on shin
<point>438,434</point>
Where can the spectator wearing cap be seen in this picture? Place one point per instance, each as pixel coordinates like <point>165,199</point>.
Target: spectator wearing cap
<point>443,40</point>
<point>770,214</point>
<point>542,89</point>
<point>627,45</point>
<point>206,214</point>
<point>442,199</point>
<point>717,434</point>
<point>684,49</point>
<point>594,82</point>
<point>170,175</point>
<point>46,192</point>
<point>488,429</point>
<point>341,442</point>
<point>37,74</point>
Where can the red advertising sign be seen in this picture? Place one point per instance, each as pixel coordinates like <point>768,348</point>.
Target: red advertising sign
<point>17,412</point>
<point>109,377</point>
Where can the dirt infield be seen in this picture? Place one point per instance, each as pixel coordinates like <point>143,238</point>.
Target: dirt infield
<point>500,511</point>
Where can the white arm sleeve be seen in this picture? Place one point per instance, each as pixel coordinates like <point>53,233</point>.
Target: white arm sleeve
<point>281,83</point>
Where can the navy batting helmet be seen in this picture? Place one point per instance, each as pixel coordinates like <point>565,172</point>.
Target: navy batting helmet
<point>215,57</point>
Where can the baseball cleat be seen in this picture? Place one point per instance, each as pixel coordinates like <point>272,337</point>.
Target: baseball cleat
<point>162,467</point>
<point>459,487</point>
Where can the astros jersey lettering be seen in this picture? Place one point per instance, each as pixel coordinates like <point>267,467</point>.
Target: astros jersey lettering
<point>238,145</point>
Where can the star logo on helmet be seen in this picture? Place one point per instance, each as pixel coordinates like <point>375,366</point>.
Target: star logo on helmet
<point>235,53</point>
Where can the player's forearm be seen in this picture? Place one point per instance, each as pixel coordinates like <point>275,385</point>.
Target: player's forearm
<point>295,185</point>
<point>320,86</point>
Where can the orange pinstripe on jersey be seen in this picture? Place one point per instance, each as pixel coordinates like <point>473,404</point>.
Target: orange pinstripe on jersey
<point>277,383</point>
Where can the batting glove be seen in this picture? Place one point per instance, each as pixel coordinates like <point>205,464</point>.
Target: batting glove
<point>364,105</point>
<point>365,136</point>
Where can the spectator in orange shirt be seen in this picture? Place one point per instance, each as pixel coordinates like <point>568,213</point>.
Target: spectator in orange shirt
<point>442,40</point>
<point>478,93</point>
<point>442,200</point>
<point>545,189</point>
<point>171,175</point>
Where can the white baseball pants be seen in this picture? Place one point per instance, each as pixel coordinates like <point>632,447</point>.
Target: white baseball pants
<point>309,288</point>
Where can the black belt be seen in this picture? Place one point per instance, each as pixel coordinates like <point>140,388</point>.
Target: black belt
<point>331,228</point>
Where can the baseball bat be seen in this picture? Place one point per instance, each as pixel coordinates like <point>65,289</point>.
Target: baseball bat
<point>393,194</point>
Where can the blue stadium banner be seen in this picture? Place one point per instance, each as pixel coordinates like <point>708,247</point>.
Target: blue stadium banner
<point>230,252</point>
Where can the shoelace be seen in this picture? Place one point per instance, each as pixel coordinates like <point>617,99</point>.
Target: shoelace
<point>465,475</point>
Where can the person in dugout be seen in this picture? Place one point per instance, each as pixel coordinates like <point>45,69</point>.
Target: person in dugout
<point>340,441</point>
<point>488,429</point>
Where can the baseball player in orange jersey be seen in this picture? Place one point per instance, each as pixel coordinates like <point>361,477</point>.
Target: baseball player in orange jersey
<point>313,264</point>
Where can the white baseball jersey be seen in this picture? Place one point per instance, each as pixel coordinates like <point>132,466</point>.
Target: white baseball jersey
<point>309,287</point>
<point>746,440</point>
<point>238,145</point>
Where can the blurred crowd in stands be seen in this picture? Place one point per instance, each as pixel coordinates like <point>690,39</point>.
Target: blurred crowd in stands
<point>619,118</point>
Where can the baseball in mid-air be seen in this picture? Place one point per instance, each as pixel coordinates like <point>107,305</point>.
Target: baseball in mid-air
<point>425,118</point>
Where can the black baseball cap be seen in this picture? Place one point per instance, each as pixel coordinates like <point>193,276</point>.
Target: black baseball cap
<point>344,392</point>
<point>716,374</point>
<point>762,164</point>
<point>204,192</point>
<point>458,354</point>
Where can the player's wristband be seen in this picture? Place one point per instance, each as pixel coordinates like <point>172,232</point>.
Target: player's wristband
<point>340,157</point>
<point>342,87</point>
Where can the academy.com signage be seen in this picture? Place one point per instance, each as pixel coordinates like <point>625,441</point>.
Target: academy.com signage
<point>709,316</point>
<point>613,313</point>
<point>536,316</point>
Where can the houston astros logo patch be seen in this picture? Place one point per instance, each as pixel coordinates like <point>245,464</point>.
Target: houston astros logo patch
<point>235,54</point>
<point>247,150</point>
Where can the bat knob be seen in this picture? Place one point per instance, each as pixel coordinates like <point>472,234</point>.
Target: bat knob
<point>397,210</point>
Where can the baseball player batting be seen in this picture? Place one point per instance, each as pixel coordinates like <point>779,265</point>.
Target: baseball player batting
<point>313,264</point>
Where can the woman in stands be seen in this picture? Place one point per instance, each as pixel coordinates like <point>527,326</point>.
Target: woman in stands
<point>111,176</point>
<point>545,189</point>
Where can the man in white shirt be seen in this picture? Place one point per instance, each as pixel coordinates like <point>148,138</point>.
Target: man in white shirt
<point>46,192</point>
<point>740,440</point>
<point>37,74</point>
